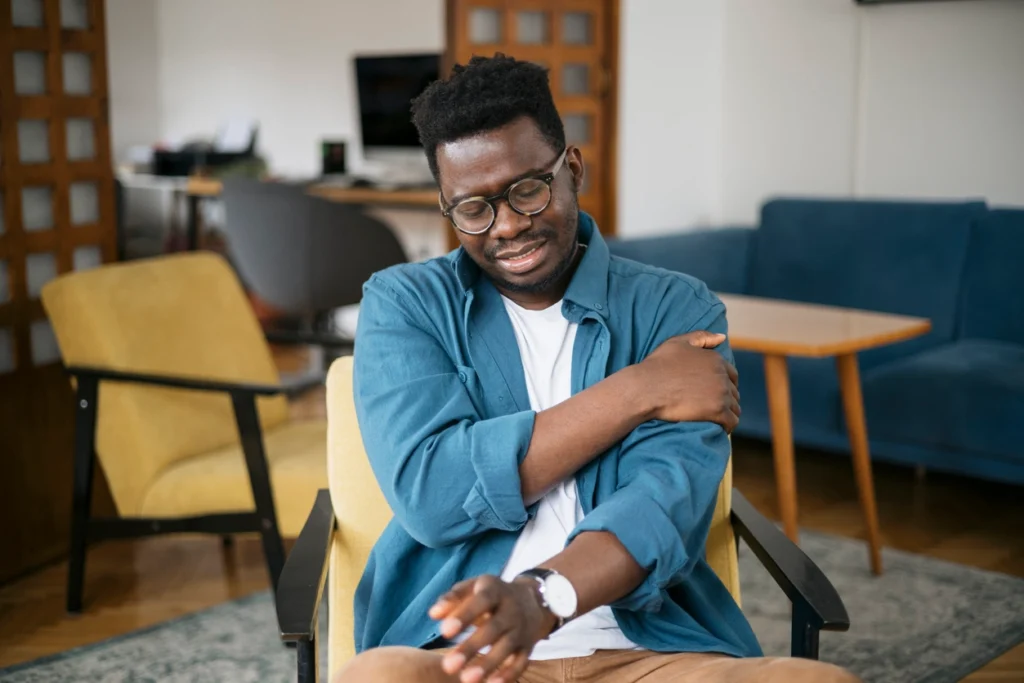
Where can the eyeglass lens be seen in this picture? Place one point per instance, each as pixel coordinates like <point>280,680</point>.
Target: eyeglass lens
<point>529,196</point>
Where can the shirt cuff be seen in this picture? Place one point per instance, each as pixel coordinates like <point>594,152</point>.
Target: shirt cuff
<point>499,445</point>
<point>655,544</point>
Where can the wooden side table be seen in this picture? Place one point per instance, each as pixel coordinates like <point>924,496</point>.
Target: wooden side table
<point>779,329</point>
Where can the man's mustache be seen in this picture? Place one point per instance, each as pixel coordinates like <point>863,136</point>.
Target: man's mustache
<point>519,242</point>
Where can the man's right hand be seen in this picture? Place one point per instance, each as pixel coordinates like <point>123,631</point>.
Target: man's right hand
<point>687,381</point>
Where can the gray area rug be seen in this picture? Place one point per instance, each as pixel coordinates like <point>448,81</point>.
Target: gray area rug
<point>923,621</point>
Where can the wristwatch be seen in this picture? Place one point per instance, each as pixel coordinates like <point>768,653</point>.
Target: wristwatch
<point>556,594</point>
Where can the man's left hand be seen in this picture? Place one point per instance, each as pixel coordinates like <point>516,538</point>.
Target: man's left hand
<point>509,618</point>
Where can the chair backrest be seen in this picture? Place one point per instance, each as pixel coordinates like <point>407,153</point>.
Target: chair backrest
<point>362,513</point>
<point>177,315</point>
<point>303,254</point>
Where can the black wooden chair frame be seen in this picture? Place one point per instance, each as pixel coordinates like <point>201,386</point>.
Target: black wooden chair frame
<point>816,604</point>
<point>86,529</point>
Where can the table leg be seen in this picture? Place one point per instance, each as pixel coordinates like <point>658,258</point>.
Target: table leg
<point>193,223</point>
<point>776,377</point>
<point>853,406</point>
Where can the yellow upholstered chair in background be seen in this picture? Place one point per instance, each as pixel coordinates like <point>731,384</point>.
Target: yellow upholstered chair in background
<point>347,520</point>
<point>178,397</point>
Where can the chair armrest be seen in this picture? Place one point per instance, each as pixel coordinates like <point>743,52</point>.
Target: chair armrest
<point>302,581</point>
<point>816,604</point>
<point>176,382</point>
<point>296,338</point>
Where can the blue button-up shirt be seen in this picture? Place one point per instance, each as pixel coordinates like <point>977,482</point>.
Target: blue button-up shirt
<point>445,418</point>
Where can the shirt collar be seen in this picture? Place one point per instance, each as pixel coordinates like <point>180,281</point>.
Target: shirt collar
<point>589,286</point>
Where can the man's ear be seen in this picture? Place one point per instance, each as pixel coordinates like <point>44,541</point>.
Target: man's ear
<point>574,160</point>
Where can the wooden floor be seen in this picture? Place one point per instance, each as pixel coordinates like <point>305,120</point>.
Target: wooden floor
<point>133,584</point>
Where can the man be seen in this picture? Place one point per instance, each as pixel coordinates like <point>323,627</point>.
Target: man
<point>550,444</point>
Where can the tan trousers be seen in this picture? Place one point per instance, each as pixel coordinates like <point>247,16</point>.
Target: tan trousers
<point>406,665</point>
<point>616,666</point>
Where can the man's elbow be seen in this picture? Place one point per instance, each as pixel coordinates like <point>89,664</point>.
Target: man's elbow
<point>434,531</point>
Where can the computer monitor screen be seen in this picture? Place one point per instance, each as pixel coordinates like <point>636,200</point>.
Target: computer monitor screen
<point>387,86</point>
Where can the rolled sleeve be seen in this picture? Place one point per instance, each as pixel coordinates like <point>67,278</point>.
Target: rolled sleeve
<point>669,475</point>
<point>447,473</point>
<point>496,499</point>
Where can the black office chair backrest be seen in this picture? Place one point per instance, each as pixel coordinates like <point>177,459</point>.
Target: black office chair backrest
<point>302,254</point>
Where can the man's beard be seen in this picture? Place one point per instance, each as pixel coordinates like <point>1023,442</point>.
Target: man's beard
<point>566,262</point>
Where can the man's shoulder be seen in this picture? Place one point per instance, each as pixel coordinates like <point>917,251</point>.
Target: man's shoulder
<point>427,283</point>
<point>651,286</point>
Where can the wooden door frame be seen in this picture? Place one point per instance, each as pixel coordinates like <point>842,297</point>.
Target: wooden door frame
<point>609,226</point>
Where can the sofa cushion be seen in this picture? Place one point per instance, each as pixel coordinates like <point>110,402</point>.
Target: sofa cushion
<point>966,396</point>
<point>719,257</point>
<point>896,257</point>
<point>993,296</point>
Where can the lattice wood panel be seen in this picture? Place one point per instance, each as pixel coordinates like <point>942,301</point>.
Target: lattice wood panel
<point>57,194</point>
<point>576,40</point>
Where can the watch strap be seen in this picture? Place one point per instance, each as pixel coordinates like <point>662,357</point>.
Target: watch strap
<point>539,574</point>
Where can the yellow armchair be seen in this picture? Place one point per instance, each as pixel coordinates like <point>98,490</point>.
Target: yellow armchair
<point>347,519</point>
<point>179,399</point>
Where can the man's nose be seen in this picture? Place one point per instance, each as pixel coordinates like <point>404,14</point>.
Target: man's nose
<point>507,223</point>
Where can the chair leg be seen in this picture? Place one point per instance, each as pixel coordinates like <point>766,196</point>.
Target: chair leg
<point>804,635</point>
<point>308,663</point>
<point>259,478</point>
<point>81,501</point>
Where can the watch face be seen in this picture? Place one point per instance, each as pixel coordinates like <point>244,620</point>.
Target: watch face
<point>560,596</point>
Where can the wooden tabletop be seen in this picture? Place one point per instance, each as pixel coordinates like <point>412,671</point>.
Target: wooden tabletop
<point>212,187</point>
<point>789,328</point>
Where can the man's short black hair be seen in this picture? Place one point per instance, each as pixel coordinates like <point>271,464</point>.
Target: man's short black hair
<point>485,94</point>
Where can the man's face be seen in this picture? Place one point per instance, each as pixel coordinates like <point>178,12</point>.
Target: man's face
<point>527,257</point>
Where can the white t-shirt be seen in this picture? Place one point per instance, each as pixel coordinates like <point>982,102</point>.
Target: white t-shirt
<point>545,341</point>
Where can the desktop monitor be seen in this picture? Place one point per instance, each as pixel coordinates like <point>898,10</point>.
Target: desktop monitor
<point>386,86</point>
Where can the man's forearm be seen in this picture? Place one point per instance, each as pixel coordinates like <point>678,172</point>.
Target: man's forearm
<point>598,583</point>
<point>571,434</point>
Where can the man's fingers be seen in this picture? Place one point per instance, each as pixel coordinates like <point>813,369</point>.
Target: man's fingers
<point>734,376</point>
<point>482,668</point>
<point>704,339</point>
<point>483,599</point>
<point>447,602</point>
<point>462,657</point>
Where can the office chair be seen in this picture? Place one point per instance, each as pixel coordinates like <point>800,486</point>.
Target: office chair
<point>303,255</point>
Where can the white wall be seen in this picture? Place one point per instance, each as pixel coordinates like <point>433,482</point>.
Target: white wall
<point>287,64</point>
<point>722,103</point>
<point>943,101</point>
<point>824,97</point>
<point>789,101</point>
<point>670,114</point>
<point>134,74</point>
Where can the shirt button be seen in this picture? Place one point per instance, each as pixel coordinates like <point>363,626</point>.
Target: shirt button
<point>598,307</point>
<point>462,376</point>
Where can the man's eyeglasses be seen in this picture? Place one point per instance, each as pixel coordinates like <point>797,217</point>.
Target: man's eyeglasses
<point>527,197</point>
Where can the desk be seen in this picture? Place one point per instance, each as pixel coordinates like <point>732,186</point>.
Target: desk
<point>198,188</point>
<point>778,329</point>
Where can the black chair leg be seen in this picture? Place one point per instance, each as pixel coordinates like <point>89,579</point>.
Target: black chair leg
<point>309,664</point>
<point>804,642</point>
<point>81,502</point>
<point>259,478</point>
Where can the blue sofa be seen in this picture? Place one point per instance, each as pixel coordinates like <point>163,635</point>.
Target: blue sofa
<point>952,400</point>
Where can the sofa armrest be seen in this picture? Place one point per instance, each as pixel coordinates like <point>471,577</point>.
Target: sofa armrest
<point>720,257</point>
<point>816,604</point>
<point>301,586</point>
